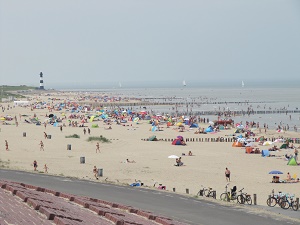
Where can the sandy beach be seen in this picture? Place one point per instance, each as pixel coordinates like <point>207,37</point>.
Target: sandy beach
<point>152,166</point>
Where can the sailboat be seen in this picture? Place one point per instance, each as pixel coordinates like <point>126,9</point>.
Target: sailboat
<point>120,85</point>
<point>183,83</point>
<point>243,85</point>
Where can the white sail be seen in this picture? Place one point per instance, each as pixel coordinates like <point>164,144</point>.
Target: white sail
<point>183,82</point>
<point>120,85</point>
<point>243,85</point>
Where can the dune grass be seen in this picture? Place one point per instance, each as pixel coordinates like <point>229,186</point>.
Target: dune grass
<point>73,136</point>
<point>101,138</point>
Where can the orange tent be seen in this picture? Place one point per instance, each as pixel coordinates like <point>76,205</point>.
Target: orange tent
<point>249,150</point>
<point>237,144</point>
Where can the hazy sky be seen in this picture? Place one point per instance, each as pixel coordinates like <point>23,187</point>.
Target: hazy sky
<point>95,42</point>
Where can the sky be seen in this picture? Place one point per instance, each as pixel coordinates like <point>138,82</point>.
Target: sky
<point>96,43</point>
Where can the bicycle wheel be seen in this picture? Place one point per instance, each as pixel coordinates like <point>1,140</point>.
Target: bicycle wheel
<point>249,200</point>
<point>224,197</point>
<point>233,197</point>
<point>205,192</point>
<point>209,194</point>
<point>295,206</point>
<point>240,199</point>
<point>285,204</point>
<point>271,201</point>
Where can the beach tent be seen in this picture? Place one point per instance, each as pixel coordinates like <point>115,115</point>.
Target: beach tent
<point>292,162</point>
<point>177,141</point>
<point>265,153</point>
<point>237,144</point>
<point>95,126</point>
<point>221,127</point>
<point>154,128</point>
<point>209,129</point>
<point>249,150</point>
<point>55,124</point>
<point>153,138</point>
<point>194,125</point>
<point>284,146</point>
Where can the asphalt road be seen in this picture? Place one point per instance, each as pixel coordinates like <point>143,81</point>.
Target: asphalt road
<point>179,207</point>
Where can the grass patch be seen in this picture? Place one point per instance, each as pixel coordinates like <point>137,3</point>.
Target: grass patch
<point>6,91</point>
<point>4,164</point>
<point>72,136</point>
<point>101,138</point>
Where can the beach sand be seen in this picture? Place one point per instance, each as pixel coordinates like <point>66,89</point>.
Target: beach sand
<point>206,167</point>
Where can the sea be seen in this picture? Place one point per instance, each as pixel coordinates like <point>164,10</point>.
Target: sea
<point>284,103</point>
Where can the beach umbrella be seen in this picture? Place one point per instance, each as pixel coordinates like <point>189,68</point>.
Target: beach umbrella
<point>173,157</point>
<point>211,122</point>
<point>275,172</point>
<point>51,115</point>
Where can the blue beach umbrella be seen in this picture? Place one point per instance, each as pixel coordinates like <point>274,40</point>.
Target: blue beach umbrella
<point>275,172</point>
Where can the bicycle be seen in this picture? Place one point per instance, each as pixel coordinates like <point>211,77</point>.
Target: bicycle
<point>228,196</point>
<point>207,192</point>
<point>244,197</point>
<point>275,199</point>
<point>286,203</point>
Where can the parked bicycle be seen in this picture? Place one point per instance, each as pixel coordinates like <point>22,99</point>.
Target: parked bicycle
<point>207,192</point>
<point>229,196</point>
<point>289,202</point>
<point>275,199</point>
<point>244,197</point>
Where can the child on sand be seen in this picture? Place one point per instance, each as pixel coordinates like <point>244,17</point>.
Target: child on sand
<point>46,168</point>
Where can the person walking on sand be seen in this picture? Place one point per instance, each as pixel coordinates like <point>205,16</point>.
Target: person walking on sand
<point>95,171</point>
<point>46,168</point>
<point>35,165</point>
<point>60,128</point>
<point>227,174</point>
<point>41,146</point>
<point>89,131</point>
<point>6,145</point>
<point>45,135</point>
<point>84,131</point>
<point>97,147</point>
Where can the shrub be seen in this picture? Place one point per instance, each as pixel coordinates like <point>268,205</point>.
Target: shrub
<point>73,136</point>
<point>101,138</point>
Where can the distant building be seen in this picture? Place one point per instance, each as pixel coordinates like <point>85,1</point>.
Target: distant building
<point>41,81</point>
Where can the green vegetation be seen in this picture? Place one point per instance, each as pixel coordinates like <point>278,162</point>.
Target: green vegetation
<point>73,136</point>
<point>4,164</point>
<point>6,91</point>
<point>101,138</point>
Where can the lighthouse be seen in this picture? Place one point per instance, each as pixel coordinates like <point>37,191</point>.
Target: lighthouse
<point>41,81</point>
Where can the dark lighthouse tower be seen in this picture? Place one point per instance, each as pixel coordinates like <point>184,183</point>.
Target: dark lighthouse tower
<point>41,81</point>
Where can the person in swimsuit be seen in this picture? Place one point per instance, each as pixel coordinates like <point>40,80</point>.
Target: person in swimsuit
<point>95,171</point>
<point>227,174</point>
<point>97,147</point>
<point>46,168</point>
<point>6,145</point>
<point>41,146</point>
<point>35,165</point>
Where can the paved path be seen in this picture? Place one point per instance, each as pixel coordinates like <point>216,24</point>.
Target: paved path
<point>179,207</point>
